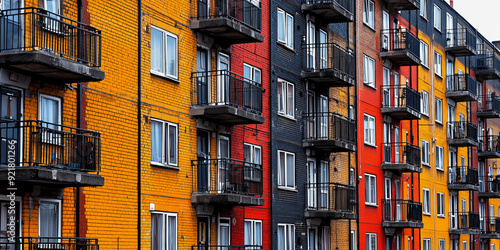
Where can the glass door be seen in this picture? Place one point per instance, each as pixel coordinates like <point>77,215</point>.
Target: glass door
<point>223,80</point>
<point>203,77</point>
<point>397,146</point>
<point>224,163</point>
<point>385,28</point>
<point>323,119</point>
<point>388,202</point>
<point>323,40</point>
<point>453,210</point>
<point>224,233</point>
<point>311,120</point>
<point>203,233</point>
<point>10,132</point>
<point>324,186</point>
<point>203,166</point>
<point>11,26</point>
<point>313,185</point>
<point>311,43</point>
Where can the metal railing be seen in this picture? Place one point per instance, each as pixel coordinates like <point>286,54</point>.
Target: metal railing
<point>460,37</point>
<point>398,210</point>
<point>225,247</point>
<point>400,39</point>
<point>461,82</point>
<point>346,4</point>
<point>462,130</point>
<point>488,103</point>
<point>490,225</point>
<point>489,184</point>
<point>489,143</point>
<point>332,197</point>
<point>462,175</point>
<point>242,11</point>
<point>487,61</point>
<point>38,143</point>
<point>401,153</point>
<point>329,126</point>
<point>222,87</point>
<point>227,176</point>
<point>464,220</point>
<point>49,243</point>
<point>400,96</point>
<point>38,29</point>
<point>324,56</point>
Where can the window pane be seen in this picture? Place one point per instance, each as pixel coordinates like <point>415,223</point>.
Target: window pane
<point>248,233</point>
<point>290,170</point>
<point>281,26</point>
<point>156,50</point>
<point>172,233</point>
<point>367,190</point>
<point>289,24</point>
<point>49,219</point>
<point>258,233</point>
<point>281,177</point>
<point>281,238</point>
<point>171,56</point>
<point>156,129</point>
<point>172,145</point>
<point>373,190</point>
<point>156,231</point>
<point>290,101</point>
<point>280,97</point>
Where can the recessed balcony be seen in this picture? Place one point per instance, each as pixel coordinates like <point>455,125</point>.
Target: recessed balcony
<point>49,154</point>
<point>46,243</point>
<point>227,182</point>
<point>401,157</point>
<point>400,46</point>
<point>330,201</point>
<point>402,214</point>
<point>461,88</point>
<point>226,98</point>
<point>328,64</point>
<point>487,66</point>
<point>50,47</point>
<point>229,21</point>
<point>400,102</point>
<point>462,134</point>
<point>330,11</point>
<point>489,147</point>
<point>329,132</point>
<point>462,178</point>
<point>464,223</point>
<point>403,4</point>
<point>490,228</point>
<point>488,106</point>
<point>489,187</point>
<point>460,42</point>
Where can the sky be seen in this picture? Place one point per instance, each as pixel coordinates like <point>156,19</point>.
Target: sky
<point>484,15</point>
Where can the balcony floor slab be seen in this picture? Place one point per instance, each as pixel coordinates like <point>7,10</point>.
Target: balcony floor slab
<point>52,177</point>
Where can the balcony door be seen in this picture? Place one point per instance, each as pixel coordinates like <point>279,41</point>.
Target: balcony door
<point>396,89</point>
<point>388,197</point>
<point>312,193</point>
<point>449,30</point>
<point>397,196</point>
<point>451,121</point>
<point>223,154</point>
<point>385,28</point>
<point>481,176</point>
<point>450,83</point>
<point>311,120</point>
<point>387,87</point>
<point>387,143</point>
<point>5,218</point>
<point>323,54</point>
<point>203,232</point>
<point>323,183</point>
<point>482,212</point>
<point>397,147</point>
<point>11,26</point>
<point>223,79</point>
<point>203,166</point>
<point>202,78</point>
<point>312,238</point>
<point>323,118</point>
<point>453,211</point>
<point>311,42</point>
<point>224,233</point>
<point>10,134</point>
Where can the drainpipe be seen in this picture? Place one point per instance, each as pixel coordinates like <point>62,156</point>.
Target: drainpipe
<point>79,119</point>
<point>356,105</point>
<point>139,115</point>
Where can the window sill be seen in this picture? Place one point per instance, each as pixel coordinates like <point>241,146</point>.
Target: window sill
<point>286,46</point>
<point>370,86</point>
<point>287,117</point>
<point>426,214</point>
<point>440,170</point>
<point>157,164</point>
<point>438,30</point>
<point>371,145</point>
<point>165,77</point>
<point>439,76</point>
<point>288,189</point>
<point>424,17</point>
<point>426,164</point>
<point>439,122</point>
<point>441,216</point>
<point>426,67</point>
<point>370,27</point>
<point>426,115</point>
<point>370,205</point>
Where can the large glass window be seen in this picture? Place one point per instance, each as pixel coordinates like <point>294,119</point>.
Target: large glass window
<point>437,17</point>
<point>286,169</point>
<point>368,71</point>
<point>285,28</point>
<point>368,12</point>
<point>164,143</point>
<point>50,219</point>
<point>253,234</point>
<point>164,53</point>
<point>286,99</point>
<point>369,130</point>
<point>370,189</point>
<point>163,231</point>
<point>286,236</point>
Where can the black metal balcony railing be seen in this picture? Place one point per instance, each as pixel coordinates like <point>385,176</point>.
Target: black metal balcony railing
<point>346,4</point>
<point>401,153</point>
<point>490,225</point>
<point>226,247</point>
<point>329,126</point>
<point>397,210</point>
<point>222,87</point>
<point>461,82</point>
<point>462,130</point>
<point>38,29</point>
<point>38,143</point>
<point>227,176</point>
<point>487,61</point>
<point>331,197</point>
<point>46,243</point>
<point>326,56</point>
<point>400,96</point>
<point>460,37</point>
<point>464,175</point>
<point>464,220</point>
<point>400,39</point>
<point>488,103</point>
<point>489,143</point>
<point>242,11</point>
<point>489,184</point>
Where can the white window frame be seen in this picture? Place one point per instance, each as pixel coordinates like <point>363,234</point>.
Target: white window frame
<point>252,76</point>
<point>289,236</point>
<point>353,240</point>
<point>253,239</point>
<point>464,245</point>
<point>426,244</point>
<point>284,184</point>
<point>424,103</point>
<point>425,153</point>
<point>59,109</point>
<point>371,240</point>
<point>47,136</point>
<point>424,53</point>
<point>437,18</point>
<point>369,13</point>
<point>165,233</point>
<point>250,175</point>
<point>163,72</point>
<point>370,183</point>
<point>59,219</point>
<point>439,158</point>
<point>438,110</point>
<point>426,201</point>
<point>440,204</point>
<point>368,71</point>
<point>165,144</point>
<point>287,27</point>
<point>442,244</point>
<point>223,221</point>
<point>423,9</point>
<point>369,130</point>
<point>284,105</point>
<point>438,63</point>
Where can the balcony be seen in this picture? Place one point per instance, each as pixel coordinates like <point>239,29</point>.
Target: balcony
<point>464,223</point>
<point>329,65</point>
<point>46,243</point>
<point>227,182</point>
<point>400,46</point>
<point>490,227</point>
<point>329,132</point>
<point>462,134</point>
<point>330,201</point>
<point>461,88</point>
<point>489,187</point>
<point>487,67</point>
<point>226,247</point>
<point>230,21</point>
<point>489,147</point>
<point>401,157</point>
<point>402,214</point>
<point>330,11</point>
<point>462,178</point>
<point>460,42</point>
<point>397,5</point>
<point>226,98</point>
<point>48,46</point>
<point>400,102</point>
<point>50,154</point>
<point>488,106</point>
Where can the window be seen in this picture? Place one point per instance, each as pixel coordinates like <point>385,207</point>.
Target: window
<point>368,10</point>
<point>286,236</point>
<point>423,8</point>
<point>49,220</point>
<point>424,53</point>
<point>437,17</point>
<point>427,244</point>
<point>285,28</point>
<point>439,110</point>
<point>369,130</point>
<point>164,142</point>
<point>425,152</point>
<point>464,245</point>
<point>368,71</point>
<point>439,158</point>
<point>251,73</point>
<point>253,234</point>
<point>253,158</point>
<point>427,201</point>
<point>163,231</point>
<point>370,189</point>
<point>424,102</point>
<point>441,244</point>
<point>286,99</point>
<point>52,22</point>
<point>437,63</point>
<point>50,111</point>
<point>352,242</point>
<point>286,169</point>
<point>163,53</point>
<point>371,241</point>
<point>440,204</point>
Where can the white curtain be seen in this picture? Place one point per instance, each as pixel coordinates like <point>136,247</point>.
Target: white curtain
<point>290,170</point>
<point>172,233</point>
<point>49,219</point>
<point>156,128</point>
<point>156,50</point>
<point>172,135</point>
<point>50,112</point>
<point>224,235</point>
<point>171,55</point>
<point>281,238</point>
<point>248,233</point>
<point>258,233</point>
<point>156,231</point>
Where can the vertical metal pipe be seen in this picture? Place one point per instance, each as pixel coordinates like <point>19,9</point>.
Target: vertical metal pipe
<point>79,125</point>
<point>139,115</point>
